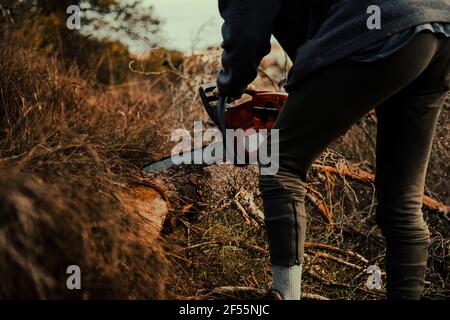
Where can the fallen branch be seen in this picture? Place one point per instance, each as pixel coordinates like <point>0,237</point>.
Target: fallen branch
<point>313,274</point>
<point>321,206</point>
<point>433,204</point>
<point>337,250</point>
<point>354,173</point>
<point>361,175</point>
<point>250,199</point>
<point>313,245</point>
<point>254,248</point>
<point>200,245</point>
<point>244,213</point>
<point>313,296</point>
<point>335,259</point>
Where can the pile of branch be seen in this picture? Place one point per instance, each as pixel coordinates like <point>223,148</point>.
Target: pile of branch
<point>361,175</point>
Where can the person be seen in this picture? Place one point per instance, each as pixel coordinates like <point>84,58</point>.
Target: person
<point>348,57</point>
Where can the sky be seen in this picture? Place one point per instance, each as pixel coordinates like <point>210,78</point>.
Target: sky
<point>188,24</point>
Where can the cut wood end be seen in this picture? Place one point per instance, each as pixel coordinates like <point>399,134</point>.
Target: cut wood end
<point>148,203</point>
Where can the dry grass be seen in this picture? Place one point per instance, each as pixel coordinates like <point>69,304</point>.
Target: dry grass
<point>67,153</point>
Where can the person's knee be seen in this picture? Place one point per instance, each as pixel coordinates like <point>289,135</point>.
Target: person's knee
<point>402,224</point>
<point>283,185</point>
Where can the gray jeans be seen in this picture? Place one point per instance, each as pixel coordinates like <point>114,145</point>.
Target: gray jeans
<point>409,89</point>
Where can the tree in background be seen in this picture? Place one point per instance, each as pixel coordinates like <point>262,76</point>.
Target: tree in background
<point>117,19</point>
<point>114,24</point>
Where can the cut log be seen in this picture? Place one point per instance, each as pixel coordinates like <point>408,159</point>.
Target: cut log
<point>147,202</point>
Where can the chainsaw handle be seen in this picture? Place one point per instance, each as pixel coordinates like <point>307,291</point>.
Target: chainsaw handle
<point>251,92</point>
<point>254,92</point>
<point>221,119</point>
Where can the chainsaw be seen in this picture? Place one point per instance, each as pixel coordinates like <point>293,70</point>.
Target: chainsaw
<point>258,112</point>
<point>251,116</point>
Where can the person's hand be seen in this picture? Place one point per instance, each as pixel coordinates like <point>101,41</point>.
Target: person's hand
<point>250,88</point>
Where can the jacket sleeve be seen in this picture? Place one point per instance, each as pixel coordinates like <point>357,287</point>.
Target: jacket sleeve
<point>246,36</point>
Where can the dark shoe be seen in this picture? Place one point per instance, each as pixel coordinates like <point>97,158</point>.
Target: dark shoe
<point>273,294</point>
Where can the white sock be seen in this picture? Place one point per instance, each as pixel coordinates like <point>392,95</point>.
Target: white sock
<point>288,281</point>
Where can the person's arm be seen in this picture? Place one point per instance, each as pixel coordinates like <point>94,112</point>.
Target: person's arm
<point>246,40</point>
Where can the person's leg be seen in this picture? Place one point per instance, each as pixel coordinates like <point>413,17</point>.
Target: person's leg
<point>406,125</point>
<point>319,110</point>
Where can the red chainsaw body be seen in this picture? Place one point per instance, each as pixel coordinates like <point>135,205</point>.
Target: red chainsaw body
<point>246,117</point>
<point>260,112</point>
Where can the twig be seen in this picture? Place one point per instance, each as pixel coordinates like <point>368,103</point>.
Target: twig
<point>323,209</point>
<point>335,259</point>
<point>156,73</point>
<point>313,296</point>
<point>354,173</point>
<point>255,248</point>
<point>243,212</point>
<point>200,245</point>
<point>361,175</point>
<point>248,197</point>
<point>335,249</point>
<point>179,257</point>
<point>343,285</point>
